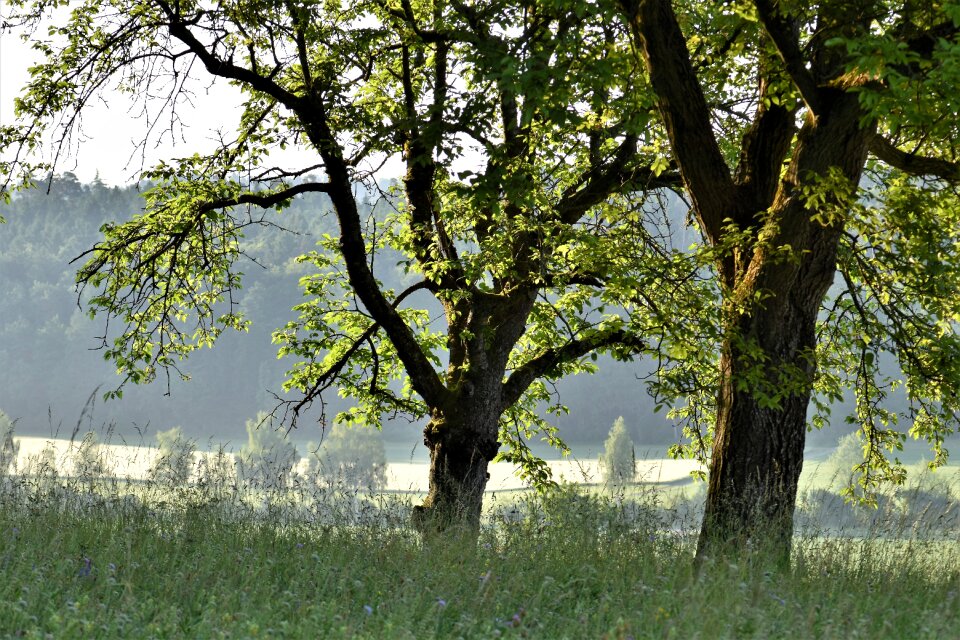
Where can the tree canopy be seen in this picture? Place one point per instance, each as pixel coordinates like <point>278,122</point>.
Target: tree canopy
<point>536,255</point>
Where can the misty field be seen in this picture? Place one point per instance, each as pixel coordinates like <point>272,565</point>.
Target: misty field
<point>107,557</point>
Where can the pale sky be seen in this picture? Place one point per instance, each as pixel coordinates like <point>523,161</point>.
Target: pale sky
<point>112,131</point>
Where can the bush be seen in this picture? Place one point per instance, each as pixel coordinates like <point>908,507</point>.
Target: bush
<point>929,503</point>
<point>175,460</point>
<point>618,462</point>
<point>90,460</point>
<point>9,448</point>
<point>820,510</point>
<point>847,455</point>
<point>350,457</point>
<point>216,472</point>
<point>268,458</point>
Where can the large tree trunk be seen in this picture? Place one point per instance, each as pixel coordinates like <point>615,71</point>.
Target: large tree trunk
<point>758,446</point>
<point>462,442</point>
<point>462,434</point>
<point>768,361</point>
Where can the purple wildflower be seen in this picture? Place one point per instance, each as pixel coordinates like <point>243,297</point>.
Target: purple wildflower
<point>86,569</point>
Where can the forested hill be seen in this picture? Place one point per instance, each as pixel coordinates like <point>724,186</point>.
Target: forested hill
<point>50,365</point>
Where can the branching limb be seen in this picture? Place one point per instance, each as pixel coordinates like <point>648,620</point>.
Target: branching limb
<point>328,377</point>
<point>180,29</point>
<point>600,182</point>
<point>179,236</point>
<point>785,38</point>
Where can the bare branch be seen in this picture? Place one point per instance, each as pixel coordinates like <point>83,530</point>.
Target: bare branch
<point>180,30</point>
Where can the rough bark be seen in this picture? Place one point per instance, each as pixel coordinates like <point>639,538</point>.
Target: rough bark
<point>758,445</point>
<point>758,448</point>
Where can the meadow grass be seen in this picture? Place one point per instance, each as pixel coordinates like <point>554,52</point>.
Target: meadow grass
<point>574,564</point>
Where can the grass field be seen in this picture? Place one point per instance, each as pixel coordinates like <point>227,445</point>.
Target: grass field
<point>136,561</point>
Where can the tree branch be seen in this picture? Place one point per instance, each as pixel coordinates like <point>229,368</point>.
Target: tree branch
<point>912,163</point>
<point>176,239</point>
<point>328,377</point>
<point>763,148</point>
<point>269,200</point>
<point>220,68</point>
<point>603,179</point>
<point>524,375</point>
<point>784,38</point>
<point>684,110</point>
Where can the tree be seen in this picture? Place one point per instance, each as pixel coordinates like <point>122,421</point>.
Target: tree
<point>814,139</point>
<point>619,461</point>
<point>42,467</point>
<point>216,473</point>
<point>268,457</point>
<point>521,211</point>
<point>174,461</point>
<point>353,457</point>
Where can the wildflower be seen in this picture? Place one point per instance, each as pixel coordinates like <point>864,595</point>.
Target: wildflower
<point>368,609</point>
<point>441,603</point>
<point>517,618</point>
<point>86,569</point>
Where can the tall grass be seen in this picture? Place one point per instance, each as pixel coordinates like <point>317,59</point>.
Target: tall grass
<point>105,558</point>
